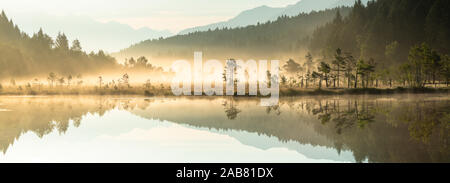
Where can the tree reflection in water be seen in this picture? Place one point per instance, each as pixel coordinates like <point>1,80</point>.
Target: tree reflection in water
<point>362,125</point>
<point>345,117</point>
<point>375,129</point>
<point>230,108</point>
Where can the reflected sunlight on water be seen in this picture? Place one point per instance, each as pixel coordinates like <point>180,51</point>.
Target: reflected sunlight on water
<point>397,128</point>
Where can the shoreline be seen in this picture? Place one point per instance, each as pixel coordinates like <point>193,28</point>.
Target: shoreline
<point>284,92</point>
<point>363,91</point>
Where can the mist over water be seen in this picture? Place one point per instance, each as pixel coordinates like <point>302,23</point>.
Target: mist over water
<point>242,81</point>
<point>397,128</point>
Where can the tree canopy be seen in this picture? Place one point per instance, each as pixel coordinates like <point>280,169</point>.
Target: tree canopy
<point>24,55</point>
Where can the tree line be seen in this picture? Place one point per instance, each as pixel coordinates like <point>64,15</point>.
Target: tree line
<point>23,55</point>
<point>393,40</point>
<point>424,66</point>
<point>284,35</point>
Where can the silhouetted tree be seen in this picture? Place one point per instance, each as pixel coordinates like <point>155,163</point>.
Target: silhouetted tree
<point>61,42</point>
<point>51,78</point>
<point>292,67</point>
<point>325,70</point>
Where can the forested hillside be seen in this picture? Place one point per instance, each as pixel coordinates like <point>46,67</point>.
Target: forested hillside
<point>285,36</point>
<point>401,41</point>
<point>264,14</point>
<point>369,31</point>
<point>384,43</point>
<point>23,55</point>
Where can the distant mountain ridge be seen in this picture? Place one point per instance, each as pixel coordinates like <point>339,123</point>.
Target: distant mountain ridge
<point>109,36</point>
<point>285,38</point>
<point>263,14</point>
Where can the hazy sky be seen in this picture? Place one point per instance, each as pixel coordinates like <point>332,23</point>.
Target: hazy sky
<point>173,15</point>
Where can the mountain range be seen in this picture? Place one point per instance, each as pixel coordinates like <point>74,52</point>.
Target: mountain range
<point>264,14</point>
<point>112,36</point>
<point>109,36</point>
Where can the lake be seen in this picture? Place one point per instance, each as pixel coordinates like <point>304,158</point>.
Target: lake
<point>348,128</point>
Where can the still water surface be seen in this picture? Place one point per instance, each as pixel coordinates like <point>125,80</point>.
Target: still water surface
<point>394,128</point>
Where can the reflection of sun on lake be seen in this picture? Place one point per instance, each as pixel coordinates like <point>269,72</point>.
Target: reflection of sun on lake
<point>389,128</point>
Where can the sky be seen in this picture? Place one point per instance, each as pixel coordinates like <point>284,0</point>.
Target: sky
<point>172,15</point>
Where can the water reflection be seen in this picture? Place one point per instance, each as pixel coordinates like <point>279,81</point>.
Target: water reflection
<point>231,108</point>
<point>398,128</point>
